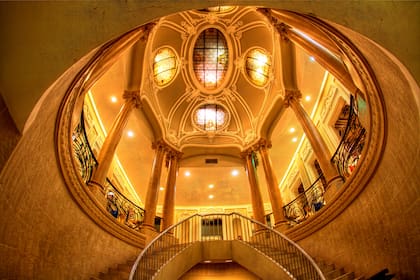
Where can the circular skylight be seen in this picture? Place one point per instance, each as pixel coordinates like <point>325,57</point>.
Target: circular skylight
<point>210,58</point>
<point>164,66</point>
<point>210,117</point>
<point>257,66</point>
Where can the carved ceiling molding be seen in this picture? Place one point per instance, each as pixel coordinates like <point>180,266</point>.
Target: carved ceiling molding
<point>86,196</point>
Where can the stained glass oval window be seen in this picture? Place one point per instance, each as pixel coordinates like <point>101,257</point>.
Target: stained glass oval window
<point>164,66</point>
<point>257,66</point>
<point>210,117</point>
<point>210,58</point>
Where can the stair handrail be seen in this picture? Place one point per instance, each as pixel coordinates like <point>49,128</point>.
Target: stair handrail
<point>255,234</point>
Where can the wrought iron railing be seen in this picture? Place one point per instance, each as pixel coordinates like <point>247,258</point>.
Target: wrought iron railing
<point>201,228</point>
<point>306,203</point>
<point>122,208</point>
<point>351,145</point>
<point>117,204</point>
<point>83,151</point>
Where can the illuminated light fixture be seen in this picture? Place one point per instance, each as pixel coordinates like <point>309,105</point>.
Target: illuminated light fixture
<point>292,129</point>
<point>114,99</point>
<point>161,188</point>
<point>210,117</point>
<point>219,9</point>
<point>164,66</point>
<point>308,98</point>
<point>312,59</point>
<point>257,66</point>
<point>130,133</point>
<point>211,196</point>
<point>211,186</point>
<point>187,173</point>
<point>294,139</point>
<point>210,58</point>
<point>235,172</point>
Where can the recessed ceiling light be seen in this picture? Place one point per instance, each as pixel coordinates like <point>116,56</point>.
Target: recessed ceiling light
<point>114,99</point>
<point>235,172</point>
<point>308,98</point>
<point>130,133</point>
<point>292,129</point>
<point>294,139</point>
<point>211,186</point>
<point>161,188</point>
<point>211,196</point>
<point>187,173</point>
<point>311,58</point>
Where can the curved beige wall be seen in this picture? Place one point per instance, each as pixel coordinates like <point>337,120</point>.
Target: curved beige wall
<point>44,234</point>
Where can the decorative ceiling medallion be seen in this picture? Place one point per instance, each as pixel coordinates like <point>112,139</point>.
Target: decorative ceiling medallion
<point>210,117</point>
<point>211,58</point>
<point>257,66</point>
<point>165,66</point>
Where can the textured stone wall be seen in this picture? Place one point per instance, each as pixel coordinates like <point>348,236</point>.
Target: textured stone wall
<point>380,228</point>
<point>9,135</point>
<point>43,233</point>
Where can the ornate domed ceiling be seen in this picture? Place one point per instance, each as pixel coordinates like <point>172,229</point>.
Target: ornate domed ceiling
<point>210,87</point>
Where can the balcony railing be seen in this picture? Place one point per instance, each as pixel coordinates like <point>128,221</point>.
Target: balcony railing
<point>201,228</point>
<point>351,145</point>
<point>117,204</point>
<point>305,204</point>
<point>83,151</point>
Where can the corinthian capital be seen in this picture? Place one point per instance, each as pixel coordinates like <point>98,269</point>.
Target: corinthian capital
<point>132,96</point>
<point>281,27</point>
<point>291,95</point>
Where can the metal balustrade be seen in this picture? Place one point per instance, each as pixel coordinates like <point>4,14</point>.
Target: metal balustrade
<point>352,142</point>
<point>201,228</point>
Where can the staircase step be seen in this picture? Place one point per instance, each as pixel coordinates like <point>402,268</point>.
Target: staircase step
<point>346,276</point>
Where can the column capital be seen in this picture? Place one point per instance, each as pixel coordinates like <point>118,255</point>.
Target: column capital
<point>291,95</point>
<point>282,28</point>
<point>159,145</point>
<point>147,29</point>
<point>262,144</point>
<point>132,97</point>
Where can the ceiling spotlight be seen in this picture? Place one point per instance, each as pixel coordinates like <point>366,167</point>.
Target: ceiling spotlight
<point>113,99</point>
<point>211,196</point>
<point>308,98</point>
<point>235,172</point>
<point>130,134</point>
<point>292,129</point>
<point>294,139</point>
<point>211,186</point>
<point>187,173</point>
<point>161,188</point>
<point>311,58</point>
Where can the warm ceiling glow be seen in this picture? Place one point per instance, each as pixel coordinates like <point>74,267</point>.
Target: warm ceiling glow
<point>114,99</point>
<point>161,188</point>
<point>164,66</point>
<point>130,134</point>
<point>294,139</point>
<point>308,98</point>
<point>257,66</point>
<point>211,196</point>
<point>292,129</point>
<point>211,186</point>
<point>187,173</point>
<point>235,172</point>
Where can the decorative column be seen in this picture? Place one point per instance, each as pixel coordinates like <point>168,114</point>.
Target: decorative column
<point>251,170</point>
<point>272,183</point>
<point>106,155</point>
<point>172,158</point>
<point>292,100</point>
<point>327,56</point>
<point>153,189</point>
